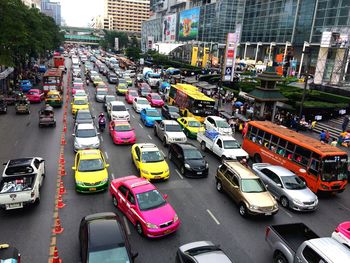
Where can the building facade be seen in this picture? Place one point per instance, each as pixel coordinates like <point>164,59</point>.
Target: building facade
<point>33,3</point>
<point>52,9</point>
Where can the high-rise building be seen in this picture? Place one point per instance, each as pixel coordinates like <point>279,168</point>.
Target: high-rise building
<point>52,9</point>
<point>126,15</point>
<point>33,3</point>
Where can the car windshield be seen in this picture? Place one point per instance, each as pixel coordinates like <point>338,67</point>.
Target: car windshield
<point>153,113</point>
<point>334,168</point>
<point>293,182</point>
<point>80,102</point>
<point>154,76</point>
<point>152,157</point>
<point>173,109</point>
<point>90,165</point>
<point>192,154</point>
<point>222,124</point>
<point>156,97</point>
<point>83,115</point>
<point>122,81</point>
<point>142,101</point>
<point>113,255</point>
<point>78,81</point>
<point>85,133</point>
<point>133,93</point>
<point>173,128</point>
<point>110,98</point>
<point>194,124</point>
<point>118,108</point>
<point>150,200</point>
<point>145,89</point>
<point>252,186</point>
<point>53,96</point>
<point>231,144</point>
<point>121,128</point>
<point>21,169</point>
<point>101,92</point>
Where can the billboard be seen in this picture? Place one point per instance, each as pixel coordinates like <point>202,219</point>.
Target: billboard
<point>116,43</point>
<point>188,24</point>
<point>150,41</point>
<point>169,28</point>
<point>194,56</point>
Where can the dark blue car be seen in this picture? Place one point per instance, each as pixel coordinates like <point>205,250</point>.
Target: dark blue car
<point>149,116</point>
<point>25,85</point>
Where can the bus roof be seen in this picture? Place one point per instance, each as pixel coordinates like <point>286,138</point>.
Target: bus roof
<point>52,72</point>
<point>297,138</point>
<point>192,91</point>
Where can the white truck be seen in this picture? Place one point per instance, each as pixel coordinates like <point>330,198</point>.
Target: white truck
<point>224,146</point>
<point>169,131</point>
<point>20,182</point>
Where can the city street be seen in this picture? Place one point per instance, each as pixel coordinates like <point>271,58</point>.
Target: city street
<point>205,213</point>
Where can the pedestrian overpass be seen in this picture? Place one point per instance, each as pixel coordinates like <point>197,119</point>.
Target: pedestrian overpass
<point>82,35</point>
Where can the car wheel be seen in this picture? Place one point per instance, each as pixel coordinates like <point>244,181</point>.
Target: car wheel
<point>37,200</point>
<point>284,202</point>
<point>115,201</point>
<point>170,155</point>
<point>139,229</point>
<point>242,210</point>
<point>182,170</point>
<point>279,258</point>
<point>219,186</point>
<point>155,131</point>
<point>203,146</point>
<point>257,158</point>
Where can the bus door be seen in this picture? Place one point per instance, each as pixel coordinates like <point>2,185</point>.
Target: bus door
<point>313,172</point>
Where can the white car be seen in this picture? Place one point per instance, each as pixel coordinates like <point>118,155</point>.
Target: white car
<point>117,111</point>
<point>218,124</point>
<point>80,93</point>
<point>85,137</point>
<point>140,103</point>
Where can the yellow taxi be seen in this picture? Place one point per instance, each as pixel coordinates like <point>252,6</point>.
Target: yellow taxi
<point>122,87</point>
<point>97,80</point>
<point>191,126</point>
<point>91,173</point>
<point>54,98</point>
<point>149,161</point>
<point>79,104</point>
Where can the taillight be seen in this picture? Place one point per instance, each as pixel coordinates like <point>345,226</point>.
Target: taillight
<point>337,230</point>
<point>267,231</point>
<point>19,258</point>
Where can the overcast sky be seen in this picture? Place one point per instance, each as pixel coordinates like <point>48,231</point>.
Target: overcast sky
<point>80,12</point>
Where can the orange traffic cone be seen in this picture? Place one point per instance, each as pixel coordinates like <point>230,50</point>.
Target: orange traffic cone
<point>62,171</point>
<point>60,203</point>
<point>62,161</point>
<point>55,258</point>
<point>63,141</point>
<point>64,128</point>
<point>58,228</point>
<point>62,189</point>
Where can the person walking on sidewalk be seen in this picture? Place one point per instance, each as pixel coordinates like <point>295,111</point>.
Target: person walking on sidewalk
<point>345,123</point>
<point>323,136</point>
<point>328,136</point>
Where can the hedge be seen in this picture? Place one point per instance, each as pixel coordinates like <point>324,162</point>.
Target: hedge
<point>330,97</point>
<point>322,105</point>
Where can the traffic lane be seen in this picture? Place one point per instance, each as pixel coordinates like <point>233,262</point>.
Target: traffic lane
<point>29,229</point>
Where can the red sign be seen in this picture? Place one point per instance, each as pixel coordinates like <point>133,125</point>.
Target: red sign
<point>230,53</point>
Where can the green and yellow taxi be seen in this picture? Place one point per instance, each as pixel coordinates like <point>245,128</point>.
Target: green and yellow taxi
<point>91,173</point>
<point>149,161</point>
<point>122,87</point>
<point>97,80</point>
<point>191,126</point>
<point>79,104</point>
<point>54,98</point>
<point>128,80</point>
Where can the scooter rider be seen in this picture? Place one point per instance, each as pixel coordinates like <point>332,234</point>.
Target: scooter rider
<point>101,122</point>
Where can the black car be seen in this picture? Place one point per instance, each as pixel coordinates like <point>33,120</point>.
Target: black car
<point>170,112</point>
<point>102,239</point>
<point>9,254</point>
<point>3,106</point>
<point>112,78</point>
<point>188,159</point>
<point>83,116</point>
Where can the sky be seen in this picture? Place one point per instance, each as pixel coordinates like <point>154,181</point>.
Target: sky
<point>80,12</point>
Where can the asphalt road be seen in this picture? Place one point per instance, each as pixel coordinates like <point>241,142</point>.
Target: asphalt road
<point>205,214</point>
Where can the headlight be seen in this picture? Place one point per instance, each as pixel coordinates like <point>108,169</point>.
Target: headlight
<point>298,202</point>
<point>167,170</point>
<point>144,171</point>
<point>275,206</point>
<point>206,165</point>
<point>187,166</point>
<point>79,182</point>
<point>149,225</point>
<point>175,218</point>
<point>104,180</point>
<point>254,207</point>
<point>77,145</point>
<point>316,201</point>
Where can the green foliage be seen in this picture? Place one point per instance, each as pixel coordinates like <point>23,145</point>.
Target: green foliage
<point>25,33</point>
<point>288,80</point>
<point>247,86</point>
<point>209,77</point>
<point>109,39</point>
<point>133,53</point>
<point>330,97</point>
<point>322,105</point>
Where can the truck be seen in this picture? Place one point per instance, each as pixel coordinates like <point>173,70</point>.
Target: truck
<point>224,146</point>
<point>169,131</point>
<point>20,182</point>
<point>297,243</point>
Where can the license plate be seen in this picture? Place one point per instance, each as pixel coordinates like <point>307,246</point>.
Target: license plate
<point>92,189</point>
<point>268,214</point>
<point>199,172</point>
<point>167,231</point>
<point>310,208</point>
<point>157,177</point>
<point>14,205</point>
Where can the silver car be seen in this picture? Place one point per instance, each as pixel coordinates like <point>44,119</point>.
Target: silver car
<point>100,94</point>
<point>85,137</point>
<point>286,187</point>
<point>201,252</point>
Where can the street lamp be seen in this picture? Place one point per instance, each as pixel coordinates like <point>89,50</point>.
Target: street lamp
<point>245,49</point>
<point>306,44</point>
<point>257,50</point>
<point>272,44</point>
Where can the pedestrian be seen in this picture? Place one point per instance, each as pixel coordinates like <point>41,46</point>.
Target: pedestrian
<point>345,123</point>
<point>323,136</point>
<point>334,142</point>
<point>327,136</point>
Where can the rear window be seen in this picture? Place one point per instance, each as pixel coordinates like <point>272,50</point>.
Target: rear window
<point>25,169</point>
<point>118,108</point>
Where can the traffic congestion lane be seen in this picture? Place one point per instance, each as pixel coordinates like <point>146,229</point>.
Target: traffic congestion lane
<point>29,229</point>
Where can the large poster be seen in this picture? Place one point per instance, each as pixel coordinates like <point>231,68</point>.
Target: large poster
<point>169,28</point>
<point>188,24</point>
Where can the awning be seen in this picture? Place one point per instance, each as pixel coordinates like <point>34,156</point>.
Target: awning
<point>267,95</point>
<point>165,48</point>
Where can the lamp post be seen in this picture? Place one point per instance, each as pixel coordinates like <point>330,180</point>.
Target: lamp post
<point>307,52</point>
<point>245,49</point>
<point>272,44</point>
<point>257,50</point>
<point>288,44</point>
<point>306,44</point>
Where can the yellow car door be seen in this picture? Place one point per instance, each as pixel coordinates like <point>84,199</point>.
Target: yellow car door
<point>136,157</point>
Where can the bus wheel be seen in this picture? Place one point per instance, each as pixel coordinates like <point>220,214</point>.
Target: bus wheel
<point>257,158</point>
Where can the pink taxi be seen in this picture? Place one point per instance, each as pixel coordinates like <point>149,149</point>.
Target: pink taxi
<point>145,207</point>
<point>130,95</point>
<point>342,233</point>
<point>155,100</point>
<point>35,95</point>
<point>77,87</point>
<point>121,132</point>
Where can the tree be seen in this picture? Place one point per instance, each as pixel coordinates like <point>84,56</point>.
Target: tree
<point>133,53</point>
<point>109,39</point>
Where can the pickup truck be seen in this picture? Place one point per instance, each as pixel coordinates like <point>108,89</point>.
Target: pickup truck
<point>20,182</point>
<point>297,243</point>
<point>224,146</point>
<point>169,131</point>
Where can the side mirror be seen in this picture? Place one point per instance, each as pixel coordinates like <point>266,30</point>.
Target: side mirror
<point>279,185</point>
<point>4,163</point>
<point>41,161</point>
<point>165,196</point>
<point>74,168</point>
<point>266,186</point>
<point>73,134</point>
<point>133,129</point>
<point>107,165</point>
<point>235,187</point>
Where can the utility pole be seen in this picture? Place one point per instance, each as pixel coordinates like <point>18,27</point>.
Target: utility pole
<point>307,53</point>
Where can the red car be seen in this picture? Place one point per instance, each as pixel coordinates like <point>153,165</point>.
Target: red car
<point>155,100</point>
<point>130,95</point>
<point>144,206</point>
<point>121,132</point>
<point>35,95</point>
<point>76,87</point>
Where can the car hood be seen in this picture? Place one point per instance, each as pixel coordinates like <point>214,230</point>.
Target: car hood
<point>213,256</point>
<point>87,141</point>
<point>143,106</point>
<point>174,115</point>
<point>260,199</point>
<point>91,177</point>
<point>157,101</point>
<point>234,153</point>
<point>155,167</point>
<point>176,134</point>
<point>120,113</point>
<point>303,195</point>
<point>196,129</point>
<point>150,118</point>
<point>124,134</point>
<point>200,163</point>
<point>159,215</point>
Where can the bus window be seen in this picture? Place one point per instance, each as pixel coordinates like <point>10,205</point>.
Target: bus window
<point>260,137</point>
<point>274,143</point>
<point>281,147</point>
<point>314,167</point>
<point>289,150</point>
<point>267,139</point>
<point>302,155</point>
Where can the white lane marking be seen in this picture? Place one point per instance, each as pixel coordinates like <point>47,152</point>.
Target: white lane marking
<point>149,136</point>
<point>112,174</point>
<point>162,152</point>
<point>178,173</point>
<point>343,206</point>
<point>127,226</point>
<point>133,116</point>
<point>289,214</point>
<point>101,139</point>
<point>106,155</point>
<point>140,125</point>
<point>213,217</point>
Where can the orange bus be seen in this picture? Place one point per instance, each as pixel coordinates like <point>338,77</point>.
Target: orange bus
<point>53,79</point>
<point>321,166</point>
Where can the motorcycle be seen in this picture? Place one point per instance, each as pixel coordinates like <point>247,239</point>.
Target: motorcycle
<point>102,124</point>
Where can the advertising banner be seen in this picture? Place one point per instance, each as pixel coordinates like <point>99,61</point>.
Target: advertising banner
<point>205,57</point>
<point>116,44</point>
<point>150,41</point>
<point>188,24</point>
<point>194,56</point>
<point>232,41</point>
<point>169,28</point>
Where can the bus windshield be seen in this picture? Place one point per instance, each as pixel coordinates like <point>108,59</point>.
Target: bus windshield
<point>334,168</point>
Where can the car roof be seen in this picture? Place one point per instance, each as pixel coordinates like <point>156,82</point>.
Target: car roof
<point>139,185</point>
<point>216,118</point>
<point>279,170</point>
<point>90,154</point>
<point>170,122</point>
<point>141,98</point>
<point>189,119</point>
<point>85,126</point>
<point>147,147</point>
<point>240,170</point>
<point>116,102</point>
<point>20,162</point>
<point>336,252</point>
<point>186,146</point>
<point>83,111</point>
<point>151,109</point>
